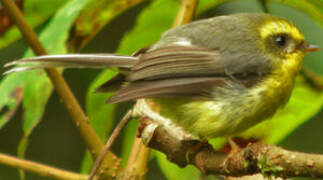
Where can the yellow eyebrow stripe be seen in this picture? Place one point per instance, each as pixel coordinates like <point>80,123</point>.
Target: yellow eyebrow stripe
<point>279,27</point>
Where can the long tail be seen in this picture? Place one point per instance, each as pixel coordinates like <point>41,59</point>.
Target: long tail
<point>72,61</point>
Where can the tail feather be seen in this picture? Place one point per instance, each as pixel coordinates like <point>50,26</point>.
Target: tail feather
<point>72,61</point>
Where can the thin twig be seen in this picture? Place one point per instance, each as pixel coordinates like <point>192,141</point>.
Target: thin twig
<point>91,139</point>
<point>40,169</point>
<point>109,143</point>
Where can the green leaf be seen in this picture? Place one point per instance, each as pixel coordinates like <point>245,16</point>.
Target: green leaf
<point>36,12</point>
<point>152,22</point>
<point>205,5</point>
<point>88,24</point>
<point>128,138</point>
<point>93,18</point>
<point>36,85</point>
<point>38,88</point>
<point>11,94</point>
<point>313,8</point>
<point>35,99</point>
<point>100,114</point>
<point>305,102</point>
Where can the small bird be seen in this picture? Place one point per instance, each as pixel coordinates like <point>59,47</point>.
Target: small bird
<point>212,77</point>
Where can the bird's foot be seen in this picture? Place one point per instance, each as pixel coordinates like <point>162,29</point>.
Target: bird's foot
<point>194,147</point>
<point>235,146</point>
<point>234,149</point>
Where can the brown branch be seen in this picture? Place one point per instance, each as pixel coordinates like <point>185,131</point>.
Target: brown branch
<point>137,163</point>
<point>186,12</point>
<point>40,169</point>
<point>255,158</point>
<point>109,143</point>
<point>89,136</point>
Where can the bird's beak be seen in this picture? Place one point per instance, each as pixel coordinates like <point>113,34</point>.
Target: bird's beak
<point>311,48</point>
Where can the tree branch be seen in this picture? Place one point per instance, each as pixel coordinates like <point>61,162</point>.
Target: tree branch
<point>137,163</point>
<point>42,170</point>
<point>255,158</point>
<point>186,12</point>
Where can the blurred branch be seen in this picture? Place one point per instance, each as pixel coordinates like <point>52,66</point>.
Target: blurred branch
<point>264,6</point>
<point>137,163</point>
<point>315,80</point>
<point>186,12</point>
<point>42,170</point>
<point>255,158</point>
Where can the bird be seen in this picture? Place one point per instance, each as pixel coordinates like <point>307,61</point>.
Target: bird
<point>212,77</point>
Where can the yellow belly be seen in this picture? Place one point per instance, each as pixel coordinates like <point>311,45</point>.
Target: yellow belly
<point>236,111</point>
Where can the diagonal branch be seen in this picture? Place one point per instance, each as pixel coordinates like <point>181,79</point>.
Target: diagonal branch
<point>89,136</point>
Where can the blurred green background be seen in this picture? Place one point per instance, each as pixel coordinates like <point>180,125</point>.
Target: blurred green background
<point>55,140</point>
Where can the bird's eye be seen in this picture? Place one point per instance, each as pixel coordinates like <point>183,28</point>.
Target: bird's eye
<point>280,40</point>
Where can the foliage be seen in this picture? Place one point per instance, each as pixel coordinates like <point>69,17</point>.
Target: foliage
<point>74,23</point>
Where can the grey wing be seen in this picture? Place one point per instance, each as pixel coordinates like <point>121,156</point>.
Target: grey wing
<point>178,71</point>
<point>195,88</point>
<point>176,61</point>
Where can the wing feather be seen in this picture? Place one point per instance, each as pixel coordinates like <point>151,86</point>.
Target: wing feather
<point>197,88</point>
<point>175,61</point>
<point>182,71</point>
